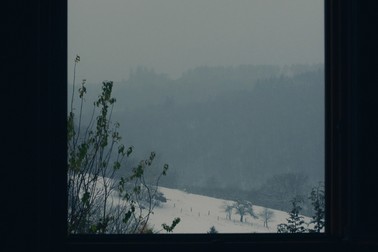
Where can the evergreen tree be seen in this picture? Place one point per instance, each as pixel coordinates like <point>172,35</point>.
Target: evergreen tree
<point>317,198</point>
<point>295,222</point>
<point>212,230</point>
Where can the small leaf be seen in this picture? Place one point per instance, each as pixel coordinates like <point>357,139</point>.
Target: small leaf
<point>165,168</point>
<point>129,151</point>
<point>116,165</point>
<point>127,216</point>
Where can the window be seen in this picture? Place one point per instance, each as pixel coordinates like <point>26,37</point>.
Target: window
<point>337,12</point>
<point>230,95</point>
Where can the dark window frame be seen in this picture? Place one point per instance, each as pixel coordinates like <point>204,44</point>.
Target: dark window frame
<point>342,132</point>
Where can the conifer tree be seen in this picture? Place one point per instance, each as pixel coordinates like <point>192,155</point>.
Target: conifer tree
<point>295,222</point>
<point>318,202</point>
<point>212,230</point>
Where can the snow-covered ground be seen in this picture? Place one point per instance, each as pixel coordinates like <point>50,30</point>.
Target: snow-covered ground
<point>198,213</point>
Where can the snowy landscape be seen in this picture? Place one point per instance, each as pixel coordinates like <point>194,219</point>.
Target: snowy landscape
<point>233,106</point>
<point>199,213</point>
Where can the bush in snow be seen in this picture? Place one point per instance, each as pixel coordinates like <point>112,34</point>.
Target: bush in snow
<point>98,202</point>
<point>212,230</point>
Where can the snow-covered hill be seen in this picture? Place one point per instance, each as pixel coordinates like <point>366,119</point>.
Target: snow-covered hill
<point>198,213</point>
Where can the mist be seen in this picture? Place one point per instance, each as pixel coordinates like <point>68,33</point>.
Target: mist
<point>228,93</point>
<point>173,36</point>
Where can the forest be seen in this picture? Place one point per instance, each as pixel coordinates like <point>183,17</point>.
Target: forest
<point>248,131</point>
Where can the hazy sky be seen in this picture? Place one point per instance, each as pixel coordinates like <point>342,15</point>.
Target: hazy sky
<point>172,36</point>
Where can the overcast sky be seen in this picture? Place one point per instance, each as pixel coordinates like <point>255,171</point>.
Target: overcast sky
<point>172,36</point>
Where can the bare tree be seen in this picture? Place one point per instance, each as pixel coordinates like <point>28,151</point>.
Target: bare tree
<point>228,209</point>
<point>266,216</point>
<point>243,208</point>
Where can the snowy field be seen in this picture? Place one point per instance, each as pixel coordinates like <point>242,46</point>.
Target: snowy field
<point>198,213</point>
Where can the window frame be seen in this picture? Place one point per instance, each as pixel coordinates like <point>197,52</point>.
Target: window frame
<point>338,133</point>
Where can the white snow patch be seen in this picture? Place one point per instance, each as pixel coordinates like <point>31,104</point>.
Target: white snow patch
<point>198,213</point>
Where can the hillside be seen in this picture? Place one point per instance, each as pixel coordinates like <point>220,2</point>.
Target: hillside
<point>198,213</point>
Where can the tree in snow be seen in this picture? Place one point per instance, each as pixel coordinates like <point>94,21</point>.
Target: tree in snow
<point>295,222</point>
<point>243,208</point>
<point>318,202</point>
<point>212,230</point>
<point>266,215</point>
<point>228,209</point>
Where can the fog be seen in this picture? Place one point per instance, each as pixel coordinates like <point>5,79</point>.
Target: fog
<point>228,93</point>
<point>173,36</point>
